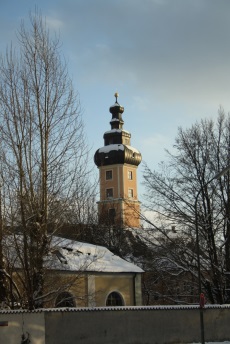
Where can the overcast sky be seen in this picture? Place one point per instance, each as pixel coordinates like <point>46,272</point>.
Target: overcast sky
<point>169,60</point>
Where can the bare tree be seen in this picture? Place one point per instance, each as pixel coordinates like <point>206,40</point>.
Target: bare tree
<point>183,194</point>
<point>44,155</point>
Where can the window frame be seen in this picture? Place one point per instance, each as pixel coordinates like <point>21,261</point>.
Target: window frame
<point>112,215</point>
<point>106,175</point>
<point>107,191</point>
<point>114,299</point>
<point>130,174</point>
<point>130,193</point>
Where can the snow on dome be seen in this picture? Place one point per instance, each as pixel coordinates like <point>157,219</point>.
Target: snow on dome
<point>117,131</point>
<point>115,120</point>
<point>114,147</point>
<point>75,256</point>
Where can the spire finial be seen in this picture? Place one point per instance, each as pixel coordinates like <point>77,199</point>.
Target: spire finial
<point>116,95</point>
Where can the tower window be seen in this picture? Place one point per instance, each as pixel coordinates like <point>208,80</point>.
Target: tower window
<point>130,175</point>
<point>109,193</point>
<point>109,175</point>
<point>112,215</point>
<point>130,193</point>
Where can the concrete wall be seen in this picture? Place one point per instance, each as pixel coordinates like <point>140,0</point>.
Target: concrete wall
<point>14,325</point>
<point>123,325</point>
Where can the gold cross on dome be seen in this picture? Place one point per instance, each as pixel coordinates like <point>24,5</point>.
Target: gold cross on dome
<point>116,95</point>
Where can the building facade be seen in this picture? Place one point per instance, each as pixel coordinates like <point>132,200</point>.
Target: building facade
<point>79,274</point>
<point>117,161</point>
<point>87,275</point>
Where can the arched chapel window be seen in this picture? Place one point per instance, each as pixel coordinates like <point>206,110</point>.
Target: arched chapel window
<point>65,299</point>
<point>114,299</point>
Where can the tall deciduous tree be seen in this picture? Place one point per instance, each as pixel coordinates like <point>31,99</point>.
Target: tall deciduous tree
<point>44,155</point>
<point>182,191</point>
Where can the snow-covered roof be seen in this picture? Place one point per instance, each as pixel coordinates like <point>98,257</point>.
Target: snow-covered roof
<point>70,255</point>
<point>74,256</point>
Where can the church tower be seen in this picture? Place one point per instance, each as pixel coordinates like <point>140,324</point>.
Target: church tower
<point>117,162</point>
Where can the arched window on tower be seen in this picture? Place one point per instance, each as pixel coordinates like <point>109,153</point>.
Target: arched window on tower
<point>115,299</point>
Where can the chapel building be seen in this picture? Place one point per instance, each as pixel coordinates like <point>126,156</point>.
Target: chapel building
<point>117,161</point>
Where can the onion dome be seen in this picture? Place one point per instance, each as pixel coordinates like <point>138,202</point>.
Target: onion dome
<point>117,148</point>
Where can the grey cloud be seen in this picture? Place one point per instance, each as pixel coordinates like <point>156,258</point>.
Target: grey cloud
<point>150,41</point>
